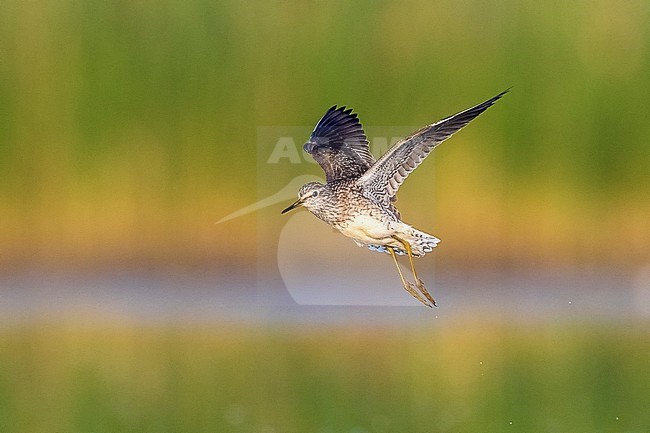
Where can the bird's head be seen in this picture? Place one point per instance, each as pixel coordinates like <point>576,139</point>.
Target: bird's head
<point>310,196</point>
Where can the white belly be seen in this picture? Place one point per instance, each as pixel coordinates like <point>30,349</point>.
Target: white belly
<point>368,230</point>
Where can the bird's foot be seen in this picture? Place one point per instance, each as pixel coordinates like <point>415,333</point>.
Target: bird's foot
<point>420,285</point>
<point>416,294</point>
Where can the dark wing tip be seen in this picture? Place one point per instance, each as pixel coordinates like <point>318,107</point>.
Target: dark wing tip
<point>482,107</point>
<point>501,94</point>
<point>334,116</point>
<point>462,118</point>
<point>336,125</point>
<point>331,110</point>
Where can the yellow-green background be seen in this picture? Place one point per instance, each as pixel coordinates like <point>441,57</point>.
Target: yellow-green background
<point>128,127</point>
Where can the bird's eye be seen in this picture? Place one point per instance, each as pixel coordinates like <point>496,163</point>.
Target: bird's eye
<point>314,194</point>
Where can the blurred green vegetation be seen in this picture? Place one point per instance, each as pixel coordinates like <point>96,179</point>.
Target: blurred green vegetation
<point>127,129</point>
<point>474,377</point>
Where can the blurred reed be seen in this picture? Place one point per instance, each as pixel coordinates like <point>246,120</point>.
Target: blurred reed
<point>127,129</point>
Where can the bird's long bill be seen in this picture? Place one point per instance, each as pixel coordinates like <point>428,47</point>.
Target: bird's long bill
<point>294,205</point>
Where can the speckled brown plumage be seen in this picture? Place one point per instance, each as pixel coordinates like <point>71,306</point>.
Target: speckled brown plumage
<point>358,197</point>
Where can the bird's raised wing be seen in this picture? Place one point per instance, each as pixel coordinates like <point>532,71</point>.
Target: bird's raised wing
<point>381,181</point>
<point>339,145</point>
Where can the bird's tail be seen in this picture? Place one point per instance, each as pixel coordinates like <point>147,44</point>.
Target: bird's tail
<point>422,243</point>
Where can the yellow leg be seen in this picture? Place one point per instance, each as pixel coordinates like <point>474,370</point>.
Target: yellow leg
<point>418,282</point>
<point>408,286</point>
